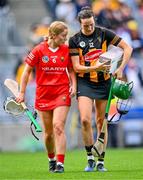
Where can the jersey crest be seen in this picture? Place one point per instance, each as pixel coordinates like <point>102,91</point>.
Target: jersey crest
<point>62,58</point>
<point>82,44</point>
<point>45,59</point>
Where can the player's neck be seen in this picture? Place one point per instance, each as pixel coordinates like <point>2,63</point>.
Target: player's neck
<point>52,44</point>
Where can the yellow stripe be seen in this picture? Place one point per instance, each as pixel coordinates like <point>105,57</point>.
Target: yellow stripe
<point>104,46</point>
<point>93,75</point>
<point>73,50</point>
<point>81,58</point>
<point>115,39</point>
<point>106,76</point>
<point>82,62</point>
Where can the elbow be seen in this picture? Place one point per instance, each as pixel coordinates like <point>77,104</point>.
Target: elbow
<point>131,49</point>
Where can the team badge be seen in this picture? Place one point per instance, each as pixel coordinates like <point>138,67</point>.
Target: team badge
<point>64,98</point>
<point>82,44</point>
<point>45,59</point>
<point>62,59</point>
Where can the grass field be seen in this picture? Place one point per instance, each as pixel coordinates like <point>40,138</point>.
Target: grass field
<point>122,164</point>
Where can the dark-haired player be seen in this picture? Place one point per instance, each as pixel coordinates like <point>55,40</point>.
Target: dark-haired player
<point>93,79</point>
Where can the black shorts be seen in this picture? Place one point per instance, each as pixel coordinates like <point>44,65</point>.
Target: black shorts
<point>93,90</point>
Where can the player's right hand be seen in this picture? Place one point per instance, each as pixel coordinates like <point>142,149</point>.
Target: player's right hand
<point>20,97</point>
<point>104,67</point>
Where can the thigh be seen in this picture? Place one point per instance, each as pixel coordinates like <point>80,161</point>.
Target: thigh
<point>100,107</point>
<point>47,120</point>
<point>85,106</point>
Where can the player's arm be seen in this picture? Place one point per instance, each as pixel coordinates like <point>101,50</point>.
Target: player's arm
<point>23,83</point>
<point>74,54</point>
<point>25,77</point>
<point>73,85</point>
<point>115,40</point>
<point>86,69</point>
<point>127,53</point>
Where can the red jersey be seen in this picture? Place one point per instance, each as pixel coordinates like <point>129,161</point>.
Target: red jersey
<point>51,64</point>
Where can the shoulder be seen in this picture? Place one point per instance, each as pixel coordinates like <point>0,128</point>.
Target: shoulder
<point>103,29</point>
<point>75,36</point>
<point>75,39</point>
<point>64,46</point>
<point>40,46</point>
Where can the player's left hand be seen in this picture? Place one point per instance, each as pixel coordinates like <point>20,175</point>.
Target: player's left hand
<point>72,91</point>
<point>118,73</point>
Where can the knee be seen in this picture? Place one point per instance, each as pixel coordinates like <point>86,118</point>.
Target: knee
<point>86,123</point>
<point>58,129</point>
<point>48,136</point>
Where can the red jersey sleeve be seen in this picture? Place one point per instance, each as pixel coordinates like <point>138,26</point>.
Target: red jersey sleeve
<point>33,57</point>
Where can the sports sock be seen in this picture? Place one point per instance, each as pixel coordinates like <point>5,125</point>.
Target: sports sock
<point>61,164</point>
<point>51,156</point>
<point>60,158</point>
<point>88,151</point>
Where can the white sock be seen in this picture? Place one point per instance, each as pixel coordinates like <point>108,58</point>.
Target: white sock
<point>61,164</point>
<point>100,162</point>
<point>52,159</point>
<point>90,157</point>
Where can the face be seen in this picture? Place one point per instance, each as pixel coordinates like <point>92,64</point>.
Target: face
<point>61,38</point>
<point>87,26</point>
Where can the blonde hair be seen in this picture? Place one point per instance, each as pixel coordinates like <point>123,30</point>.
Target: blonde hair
<point>56,28</point>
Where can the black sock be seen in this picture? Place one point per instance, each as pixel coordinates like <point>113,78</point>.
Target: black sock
<point>88,151</point>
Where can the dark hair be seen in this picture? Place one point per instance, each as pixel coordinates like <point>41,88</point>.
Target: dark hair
<point>85,12</point>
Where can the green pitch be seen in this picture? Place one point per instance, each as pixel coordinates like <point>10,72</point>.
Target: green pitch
<point>122,164</point>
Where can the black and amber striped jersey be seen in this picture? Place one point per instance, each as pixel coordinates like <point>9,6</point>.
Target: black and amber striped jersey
<point>80,45</point>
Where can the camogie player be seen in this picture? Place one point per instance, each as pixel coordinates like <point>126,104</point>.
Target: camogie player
<point>93,78</point>
<point>55,85</point>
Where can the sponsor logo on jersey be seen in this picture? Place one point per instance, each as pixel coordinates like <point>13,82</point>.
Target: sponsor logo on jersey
<point>90,40</point>
<point>93,55</point>
<point>54,69</point>
<point>82,44</point>
<point>45,59</point>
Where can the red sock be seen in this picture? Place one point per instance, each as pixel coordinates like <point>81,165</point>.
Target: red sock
<point>51,155</point>
<point>60,158</point>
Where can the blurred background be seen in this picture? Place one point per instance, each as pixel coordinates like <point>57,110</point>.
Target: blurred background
<point>24,23</point>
